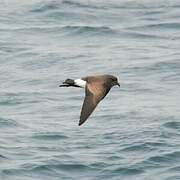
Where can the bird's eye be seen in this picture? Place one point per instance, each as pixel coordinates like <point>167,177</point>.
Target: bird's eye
<point>113,79</point>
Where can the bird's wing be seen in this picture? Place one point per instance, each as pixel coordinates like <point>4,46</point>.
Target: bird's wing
<point>94,94</point>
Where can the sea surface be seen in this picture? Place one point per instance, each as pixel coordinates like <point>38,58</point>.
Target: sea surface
<point>133,134</point>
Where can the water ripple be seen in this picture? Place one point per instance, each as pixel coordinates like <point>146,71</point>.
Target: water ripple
<point>89,29</point>
<point>49,136</point>
<point>7,123</point>
<point>173,125</point>
<point>128,171</point>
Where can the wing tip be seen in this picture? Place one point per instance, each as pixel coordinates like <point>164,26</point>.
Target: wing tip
<point>80,123</point>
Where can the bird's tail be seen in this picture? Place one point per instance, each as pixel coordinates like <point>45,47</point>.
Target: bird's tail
<point>68,83</point>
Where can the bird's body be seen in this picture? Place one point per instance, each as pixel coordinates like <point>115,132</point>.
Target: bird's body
<point>96,88</point>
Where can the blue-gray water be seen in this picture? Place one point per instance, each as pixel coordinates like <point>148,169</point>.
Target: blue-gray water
<point>134,133</point>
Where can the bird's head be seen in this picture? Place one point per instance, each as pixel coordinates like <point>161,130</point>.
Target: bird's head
<point>114,81</point>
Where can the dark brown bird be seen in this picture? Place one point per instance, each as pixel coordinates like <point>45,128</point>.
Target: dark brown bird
<point>96,88</point>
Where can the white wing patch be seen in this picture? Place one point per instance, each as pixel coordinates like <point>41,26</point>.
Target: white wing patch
<point>80,82</point>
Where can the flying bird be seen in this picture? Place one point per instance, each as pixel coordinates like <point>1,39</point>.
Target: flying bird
<point>96,88</point>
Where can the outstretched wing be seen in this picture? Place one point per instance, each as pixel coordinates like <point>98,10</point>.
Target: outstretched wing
<point>94,94</point>
<point>89,104</point>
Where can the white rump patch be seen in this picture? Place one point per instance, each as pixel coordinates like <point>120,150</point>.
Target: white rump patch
<point>80,82</point>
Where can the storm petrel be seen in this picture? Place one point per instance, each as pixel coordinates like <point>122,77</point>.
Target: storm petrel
<point>96,88</point>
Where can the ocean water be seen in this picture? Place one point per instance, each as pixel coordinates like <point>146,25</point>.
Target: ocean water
<point>133,134</point>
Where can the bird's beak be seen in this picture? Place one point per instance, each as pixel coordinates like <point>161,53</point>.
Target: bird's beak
<point>118,84</point>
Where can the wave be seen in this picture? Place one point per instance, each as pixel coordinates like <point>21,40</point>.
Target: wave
<point>3,157</point>
<point>128,171</point>
<point>45,7</point>
<point>56,5</point>
<point>165,66</point>
<point>121,171</point>
<point>51,168</point>
<point>171,25</point>
<point>167,159</point>
<point>172,125</point>
<point>172,157</point>
<point>101,30</point>
<point>7,122</point>
<point>167,70</point>
<point>49,136</point>
<point>139,147</point>
<point>176,168</point>
<point>142,35</point>
<point>82,4</point>
<point>67,30</point>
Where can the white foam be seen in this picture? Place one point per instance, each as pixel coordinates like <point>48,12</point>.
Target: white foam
<point>80,82</point>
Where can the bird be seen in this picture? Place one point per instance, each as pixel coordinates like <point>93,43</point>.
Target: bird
<point>96,88</point>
